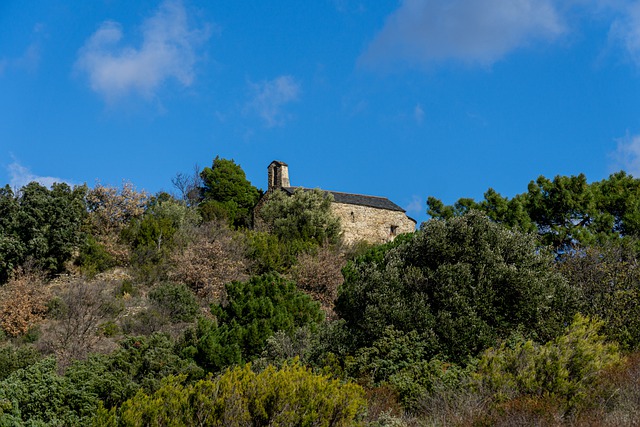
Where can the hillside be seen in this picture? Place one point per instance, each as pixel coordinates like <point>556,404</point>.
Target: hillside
<point>122,308</point>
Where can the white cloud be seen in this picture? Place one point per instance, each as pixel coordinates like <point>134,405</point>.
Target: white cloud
<point>472,31</point>
<point>416,206</point>
<point>626,30</point>
<point>167,50</point>
<point>28,61</point>
<point>270,97</point>
<point>418,113</point>
<point>20,176</point>
<point>627,155</point>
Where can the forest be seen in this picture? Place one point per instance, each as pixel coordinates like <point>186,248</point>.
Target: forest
<point>122,308</point>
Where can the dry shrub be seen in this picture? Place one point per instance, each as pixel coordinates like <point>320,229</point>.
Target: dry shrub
<point>320,274</point>
<point>213,256</point>
<point>78,313</point>
<point>619,403</point>
<point>110,210</point>
<point>382,400</point>
<point>454,407</point>
<point>23,302</point>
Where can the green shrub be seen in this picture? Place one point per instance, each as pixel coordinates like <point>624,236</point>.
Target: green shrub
<point>462,284</point>
<point>14,358</point>
<point>255,311</point>
<point>176,300</point>
<point>291,396</point>
<point>139,364</point>
<point>565,369</point>
<point>94,257</point>
<point>38,396</point>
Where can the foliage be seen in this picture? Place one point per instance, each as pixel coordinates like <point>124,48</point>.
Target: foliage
<point>461,284</point>
<point>255,311</point>
<point>111,208</point>
<point>565,369</point>
<point>95,257</point>
<point>319,273</point>
<point>210,256</point>
<point>152,236</point>
<point>23,302</point>
<point>269,254</point>
<point>42,225</point>
<point>291,396</point>
<point>606,280</point>
<point>139,364</point>
<point>228,194</point>
<point>14,358</point>
<point>401,360</point>
<point>566,212</point>
<point>38,396</point>
<point>304,216</point>
<point>77,314</point>
<point>176,300</point>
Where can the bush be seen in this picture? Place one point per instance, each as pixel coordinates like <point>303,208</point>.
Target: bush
<point>291,396</point>
<point>565,369</point>
<point>255,310</point>
<point>139,364</point>
<point>38,396</point>
<point>211,256</point>
<point>462,284</point>
<point>304,216</point>
<point>606,280</point>
<point>176,300</point>
<point>22,303</point>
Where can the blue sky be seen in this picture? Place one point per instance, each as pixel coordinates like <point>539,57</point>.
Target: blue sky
<point>403,99</point>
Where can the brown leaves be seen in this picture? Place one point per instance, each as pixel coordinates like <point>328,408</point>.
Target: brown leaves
<point>320,274</point>
<point>22,303</point>
<point>214,256</point>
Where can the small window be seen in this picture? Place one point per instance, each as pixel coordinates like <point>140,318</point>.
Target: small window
<point>353,217</point>
<point>393,230</point>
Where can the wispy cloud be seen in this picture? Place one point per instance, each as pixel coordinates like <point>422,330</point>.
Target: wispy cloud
<point>28,61</point>
<point>20,176</point>
<point>416,206</point>
<point>418,113</point>
<point>270,97</point>
<point>168,50</point>
<point>423,32</point>
<point>626,30</point>
<point>627,155</point>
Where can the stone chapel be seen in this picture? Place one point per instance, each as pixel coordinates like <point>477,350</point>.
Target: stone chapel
<point>369,218</point>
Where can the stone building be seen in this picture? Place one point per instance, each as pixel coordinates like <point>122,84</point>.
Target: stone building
<point>370,218</point>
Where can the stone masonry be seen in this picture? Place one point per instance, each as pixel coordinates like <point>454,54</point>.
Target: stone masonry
<point>363,218</point>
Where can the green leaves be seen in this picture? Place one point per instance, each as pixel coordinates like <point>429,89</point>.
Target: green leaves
<point>227,193</point>
<point>290,396</point>
<point>566,212</point>
<point>303,216</point>
<point>40,224</point>
<point>255,311</point>
<point>461,284</point>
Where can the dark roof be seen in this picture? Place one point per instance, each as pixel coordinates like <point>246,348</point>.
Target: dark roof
<point>355,199</point>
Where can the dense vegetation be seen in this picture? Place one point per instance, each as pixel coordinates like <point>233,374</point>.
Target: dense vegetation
<point>121,308</point>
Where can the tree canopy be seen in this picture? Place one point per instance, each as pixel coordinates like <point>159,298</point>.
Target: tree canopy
<point>566,212</point>
<point>227,193</point>
<point>461,284</point>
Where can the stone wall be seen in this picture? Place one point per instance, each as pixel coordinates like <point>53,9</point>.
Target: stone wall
<point>371,224</point>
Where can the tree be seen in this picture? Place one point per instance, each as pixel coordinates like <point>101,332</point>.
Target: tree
<point>606,281</point>
<point>42,225</point>
<point>462,284</point>
<point>255,310</point>
<point>227,193</point>
<point>304,216</point>
<point>567,212</point>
